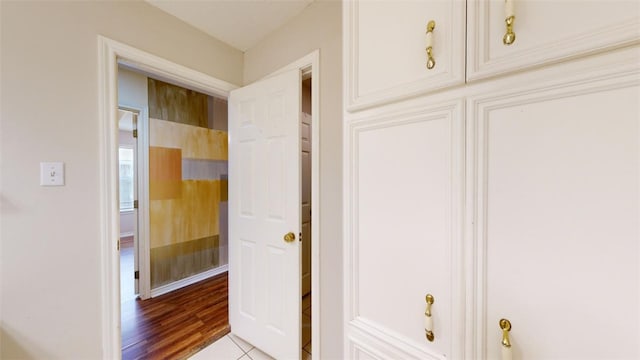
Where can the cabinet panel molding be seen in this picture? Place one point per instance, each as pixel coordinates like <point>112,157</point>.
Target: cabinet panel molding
<point>383,222</point>
<point>547,32</point>
<point>385,54</point>
<point>516,217</point>
<point>381,343</point>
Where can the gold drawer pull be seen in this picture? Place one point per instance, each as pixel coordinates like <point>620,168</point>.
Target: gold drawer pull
<point>431,63</point>
<point>505,325</point>
<point>428,320</point>
<point>509,18</point>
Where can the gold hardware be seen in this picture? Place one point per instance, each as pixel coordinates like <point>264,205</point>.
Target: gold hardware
<point>429,299</point>
<point>135,133</point>
<point>289,237</point>
<point>505,325</point>
<point>430,335</point>
<point>135,204</point>
<point>431,63</point>
<point>428,327</point>
<point>510,37</point>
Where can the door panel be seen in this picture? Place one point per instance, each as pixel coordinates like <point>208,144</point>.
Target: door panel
<point>558,214</point>
<point>387,42</point>
<point>264,205</point>
<point>546,31</point>
<point>407,186</point>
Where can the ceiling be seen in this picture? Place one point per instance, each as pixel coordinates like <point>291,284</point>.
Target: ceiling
<point>239,23</point>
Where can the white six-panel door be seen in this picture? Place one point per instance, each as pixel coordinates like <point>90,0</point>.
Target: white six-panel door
<point>264,205</point>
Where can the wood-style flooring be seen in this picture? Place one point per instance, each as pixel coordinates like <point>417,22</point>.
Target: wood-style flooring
<point>178,324</point>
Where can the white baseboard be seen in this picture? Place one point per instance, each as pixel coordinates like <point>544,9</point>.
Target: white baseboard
<point>188,281</point>
<point>130,233</point>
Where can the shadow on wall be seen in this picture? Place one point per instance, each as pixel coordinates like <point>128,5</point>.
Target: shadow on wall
<point>14,346</point>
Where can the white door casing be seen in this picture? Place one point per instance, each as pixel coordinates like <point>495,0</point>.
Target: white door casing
<point>264,205</point>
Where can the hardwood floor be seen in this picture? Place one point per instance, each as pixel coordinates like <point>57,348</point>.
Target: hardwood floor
<point>178,324</point>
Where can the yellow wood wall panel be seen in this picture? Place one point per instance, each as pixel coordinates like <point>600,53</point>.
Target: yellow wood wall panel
<point>193,216</point>
<point>177,104</point>
<point>195,142</point>
<point>165,173</point>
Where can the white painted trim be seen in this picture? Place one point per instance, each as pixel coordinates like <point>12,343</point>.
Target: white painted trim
<point>111,52</point>
<point>144,243</point>
<point>143,251</point>
<point>312,61</point>
<point>126,234</point>
<point>161,290</point>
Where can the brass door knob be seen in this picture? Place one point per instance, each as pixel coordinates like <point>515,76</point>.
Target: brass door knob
<point>290,237</point>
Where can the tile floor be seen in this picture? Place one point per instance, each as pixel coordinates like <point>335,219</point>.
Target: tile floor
<point>232,347</point>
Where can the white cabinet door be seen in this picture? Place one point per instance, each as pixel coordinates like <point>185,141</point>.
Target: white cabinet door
<point>557,233</point>
<point>264,205</point>
<point>546,32</point>
<point>385,44</point>
<point>405,185</point>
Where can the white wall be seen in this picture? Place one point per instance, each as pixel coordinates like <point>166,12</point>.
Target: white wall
<point>319,26</point>
<point>50,299</point>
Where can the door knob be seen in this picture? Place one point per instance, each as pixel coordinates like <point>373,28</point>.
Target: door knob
<point>290,237</point>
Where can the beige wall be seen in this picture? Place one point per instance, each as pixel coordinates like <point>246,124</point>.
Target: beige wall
<point>50,301</point>
<point>318,27</point>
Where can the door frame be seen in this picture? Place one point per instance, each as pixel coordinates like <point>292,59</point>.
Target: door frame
<point>141,213</point>
<point>112,53</point>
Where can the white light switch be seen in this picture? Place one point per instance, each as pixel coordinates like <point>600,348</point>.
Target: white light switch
<point>52,174</point>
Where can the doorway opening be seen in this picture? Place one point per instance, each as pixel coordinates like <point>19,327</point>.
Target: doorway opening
<point>112,54</point>
<point>183,206</point>
<point>306,150</point>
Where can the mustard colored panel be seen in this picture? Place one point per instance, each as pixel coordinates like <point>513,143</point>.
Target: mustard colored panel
<point>195,142</point>
<point>178,261</point>
<point>177,104</point>
<point>165,173</point>
<point>193,216</point>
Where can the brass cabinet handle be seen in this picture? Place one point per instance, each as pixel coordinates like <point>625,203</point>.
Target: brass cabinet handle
<point>428,320</point>
<point>505,325</point>
<point>509,18</point>
<point>431,63</point>
<point>290,237</point>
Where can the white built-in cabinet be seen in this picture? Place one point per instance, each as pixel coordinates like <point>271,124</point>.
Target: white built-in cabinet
<point>505,181</point>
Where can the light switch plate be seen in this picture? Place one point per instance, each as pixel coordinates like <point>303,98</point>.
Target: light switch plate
<point>51,173</point>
